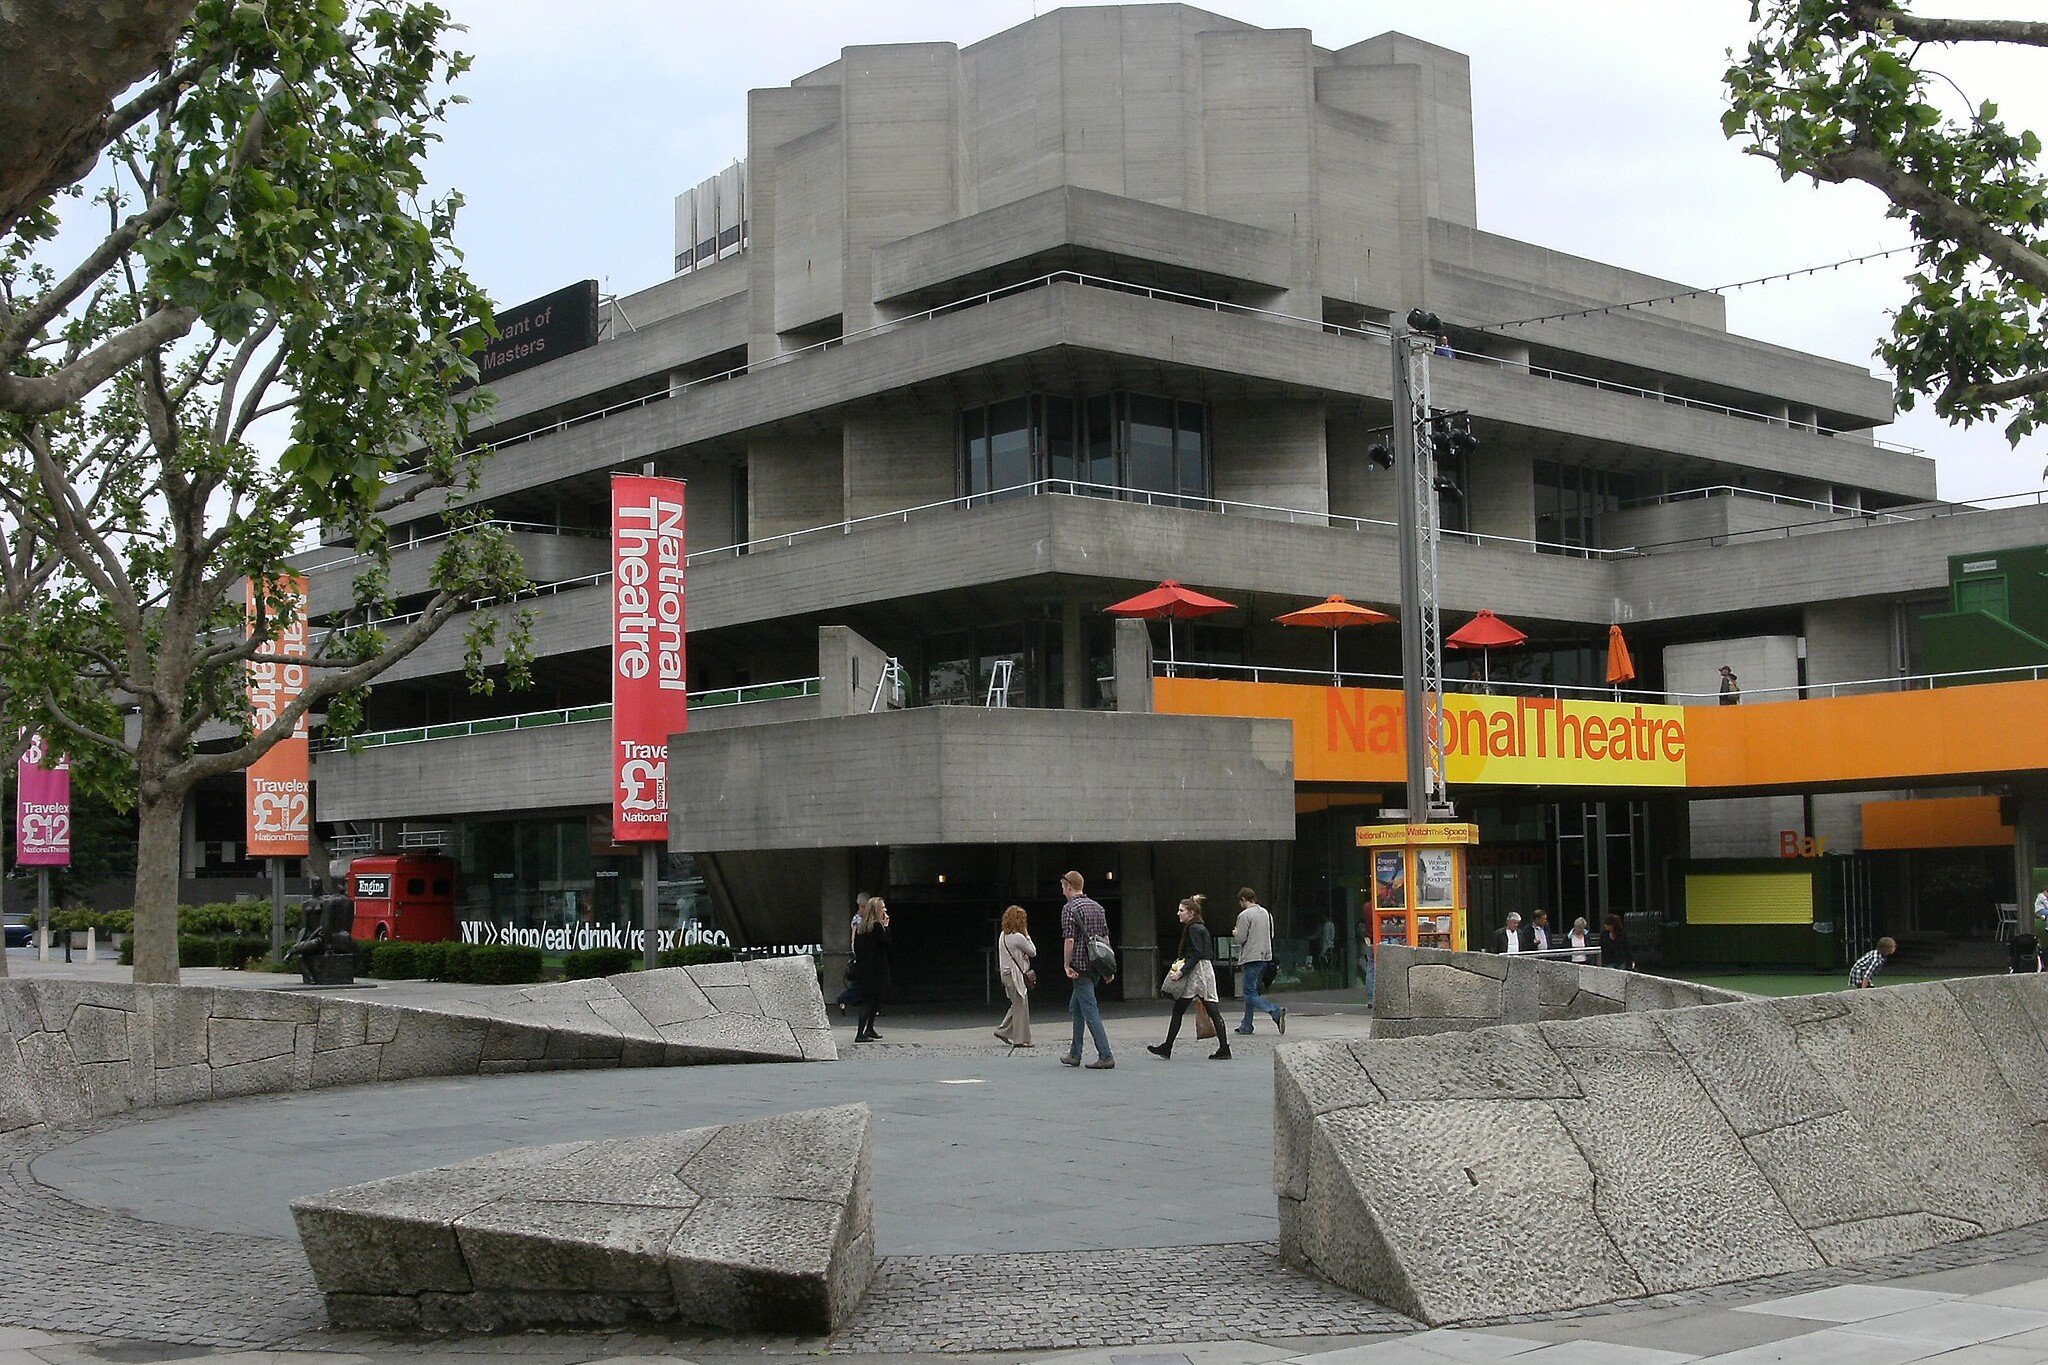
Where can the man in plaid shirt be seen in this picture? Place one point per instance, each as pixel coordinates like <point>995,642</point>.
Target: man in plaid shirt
<point>1866,966</point>
<point>1081,918</point>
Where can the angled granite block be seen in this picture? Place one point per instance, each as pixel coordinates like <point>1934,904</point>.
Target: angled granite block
<point>766,1225</point>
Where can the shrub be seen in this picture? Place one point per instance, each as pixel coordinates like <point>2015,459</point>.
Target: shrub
<point>591,962</point>
<point>394,962</point>
<point>430,960</point>
<point>234,951</point>
<point>696,955</point>
<point>500,964</point>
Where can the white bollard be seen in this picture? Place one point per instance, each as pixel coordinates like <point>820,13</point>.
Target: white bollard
<point>92,945</point>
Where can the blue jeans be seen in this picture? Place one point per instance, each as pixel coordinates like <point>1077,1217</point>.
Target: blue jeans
<point>1256,975</point>
<point>1082,1005</point>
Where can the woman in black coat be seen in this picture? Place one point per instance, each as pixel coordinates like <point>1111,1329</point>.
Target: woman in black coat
<point>1193,980</point>
<point>871,963</point>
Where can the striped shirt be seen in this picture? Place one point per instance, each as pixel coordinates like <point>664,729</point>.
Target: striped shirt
<point>1865,968</point>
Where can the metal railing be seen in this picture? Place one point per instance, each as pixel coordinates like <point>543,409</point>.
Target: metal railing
<point>1370,331</point>
<point>1502,687</point>
<point>751,694</point>
<point>529,527</point>
<point>1729,490</point>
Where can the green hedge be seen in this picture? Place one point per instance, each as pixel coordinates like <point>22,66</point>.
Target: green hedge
<point>250,919</point>
<point>696,955</point>
<point>482,964</point>
<point>590,962</point>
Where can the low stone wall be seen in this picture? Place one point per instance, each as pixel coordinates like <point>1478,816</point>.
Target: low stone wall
<point>1430,990</point>
<point>762,1226</point>
<point>1550,1166</point>
<point>72,1050</point>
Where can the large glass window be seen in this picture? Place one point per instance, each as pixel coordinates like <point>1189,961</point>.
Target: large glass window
<point>1136,441</point>
<point>1570,500</point>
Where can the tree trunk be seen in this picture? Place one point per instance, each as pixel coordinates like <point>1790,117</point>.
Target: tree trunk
<point>156,889</point>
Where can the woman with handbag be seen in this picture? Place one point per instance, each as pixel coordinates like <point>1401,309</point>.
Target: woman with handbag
<point>1193,978</point>
<point>871,963</point>
<point>1014,952</point>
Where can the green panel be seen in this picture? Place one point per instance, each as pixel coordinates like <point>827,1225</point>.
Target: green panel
<point>1966,641</point>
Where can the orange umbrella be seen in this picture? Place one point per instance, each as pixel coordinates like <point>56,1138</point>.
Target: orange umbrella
<point>1620,667</point>
<point>1485,632</point>
<point>1333,614</point>
<point>1169,602</point>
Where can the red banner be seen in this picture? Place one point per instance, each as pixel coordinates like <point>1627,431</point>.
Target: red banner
<point>649,701</point>
<point>279,797</point>
<point>42,809</point>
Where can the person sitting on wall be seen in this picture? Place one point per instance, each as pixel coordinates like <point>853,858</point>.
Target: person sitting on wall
<point>1868,965</point>
<point>1511,938</point>
<point>1731,686</point>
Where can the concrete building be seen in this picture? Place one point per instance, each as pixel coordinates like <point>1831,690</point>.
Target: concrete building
<point>983,339</point>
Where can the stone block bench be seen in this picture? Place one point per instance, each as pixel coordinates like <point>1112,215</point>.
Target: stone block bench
<point>1540,1167</point>
<point>762,1226</point>
<point>72,1051</point>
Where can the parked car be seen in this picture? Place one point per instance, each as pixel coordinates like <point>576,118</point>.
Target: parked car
<point>20,931</point>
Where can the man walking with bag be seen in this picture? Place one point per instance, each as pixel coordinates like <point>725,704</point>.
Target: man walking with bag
<point>1083,925</point>
<point>1254,935</point>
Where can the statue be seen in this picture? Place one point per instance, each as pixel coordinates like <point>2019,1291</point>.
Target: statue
<point>326,948</point>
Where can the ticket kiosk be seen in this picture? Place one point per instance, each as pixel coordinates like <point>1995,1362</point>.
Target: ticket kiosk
<point>1415,882</point>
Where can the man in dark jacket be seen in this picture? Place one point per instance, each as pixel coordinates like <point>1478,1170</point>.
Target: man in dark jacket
<point>1514,938</point>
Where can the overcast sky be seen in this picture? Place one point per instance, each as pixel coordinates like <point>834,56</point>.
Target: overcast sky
<point>1597,125</point>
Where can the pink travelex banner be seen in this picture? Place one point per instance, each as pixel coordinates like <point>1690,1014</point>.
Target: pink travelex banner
<point>649,697</point>
<point>42,809</point>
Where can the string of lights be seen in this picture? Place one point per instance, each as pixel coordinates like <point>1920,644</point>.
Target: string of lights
<point>1694,293</point>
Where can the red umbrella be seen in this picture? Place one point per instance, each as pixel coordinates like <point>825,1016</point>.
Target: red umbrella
<point>1484,632</point>
<point>1333,614</point>
<point>1620,667</point>
<point>1169,602</point>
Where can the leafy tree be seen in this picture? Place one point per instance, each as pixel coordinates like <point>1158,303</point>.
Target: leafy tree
<point>1840,91</point>
<point>271,262</point>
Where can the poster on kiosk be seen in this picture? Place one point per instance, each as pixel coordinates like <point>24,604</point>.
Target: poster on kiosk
<point>1415,882</point>
<point>649,697</point>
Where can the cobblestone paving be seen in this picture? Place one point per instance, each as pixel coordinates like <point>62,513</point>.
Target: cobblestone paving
<point>1054,1300</point>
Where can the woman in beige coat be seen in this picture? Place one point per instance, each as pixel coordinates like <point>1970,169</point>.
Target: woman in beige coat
<point>1014,952</point>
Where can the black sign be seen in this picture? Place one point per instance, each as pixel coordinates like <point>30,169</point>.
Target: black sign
<point>372,888</point>
<point>544,329</point>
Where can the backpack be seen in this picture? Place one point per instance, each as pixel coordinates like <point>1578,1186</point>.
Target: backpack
<point>1101,956</point>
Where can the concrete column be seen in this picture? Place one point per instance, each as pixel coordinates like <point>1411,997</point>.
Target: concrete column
<point>1077,689</point>
<point>1133,666</point>
<point>849,673</point>
<point>897,460</point>
<point>794,484</point>
<point>835,914</point>
<point>1141,944</point>
<point>1271,453</point>
<point>1500,492</point>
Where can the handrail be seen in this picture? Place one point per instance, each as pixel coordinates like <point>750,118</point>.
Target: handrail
<point>503,523</point>
<point>1499,687</point>
<point>749,694</point>
<point>1370,331</point>
<point>1729,490</point>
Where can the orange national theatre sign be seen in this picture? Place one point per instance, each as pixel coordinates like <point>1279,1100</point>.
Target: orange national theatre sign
<point>1353,734</point>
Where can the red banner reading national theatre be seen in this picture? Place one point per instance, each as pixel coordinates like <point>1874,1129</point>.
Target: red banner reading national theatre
<point>649,701</point>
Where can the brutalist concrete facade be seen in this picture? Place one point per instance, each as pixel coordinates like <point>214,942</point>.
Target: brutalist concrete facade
<point>1116,218</point>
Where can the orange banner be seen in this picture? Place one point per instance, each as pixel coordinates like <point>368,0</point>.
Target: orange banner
<point>1354,734</point>
<point>279,787</point>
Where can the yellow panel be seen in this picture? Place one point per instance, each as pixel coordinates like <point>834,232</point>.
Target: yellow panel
<point>1749,898</point>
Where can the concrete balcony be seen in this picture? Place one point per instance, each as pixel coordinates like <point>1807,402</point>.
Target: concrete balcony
<point>563,765</point>
<point>1128,327</point>
<point>548,558</point>
<point>957,548</point>
<point>967,775</point>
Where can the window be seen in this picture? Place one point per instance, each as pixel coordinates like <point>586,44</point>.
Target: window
<point>1570,500</point>
<point>1154,445</point>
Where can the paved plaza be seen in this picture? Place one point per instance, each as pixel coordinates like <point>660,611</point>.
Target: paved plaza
<point>1024,1211</point>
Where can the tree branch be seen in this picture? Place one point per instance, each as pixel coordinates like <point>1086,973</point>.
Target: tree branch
<point>37,396</point>
<point>1998,392</point>
<point>65,292</point>
<point>1943,214</point>
<point>1870,13</point>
